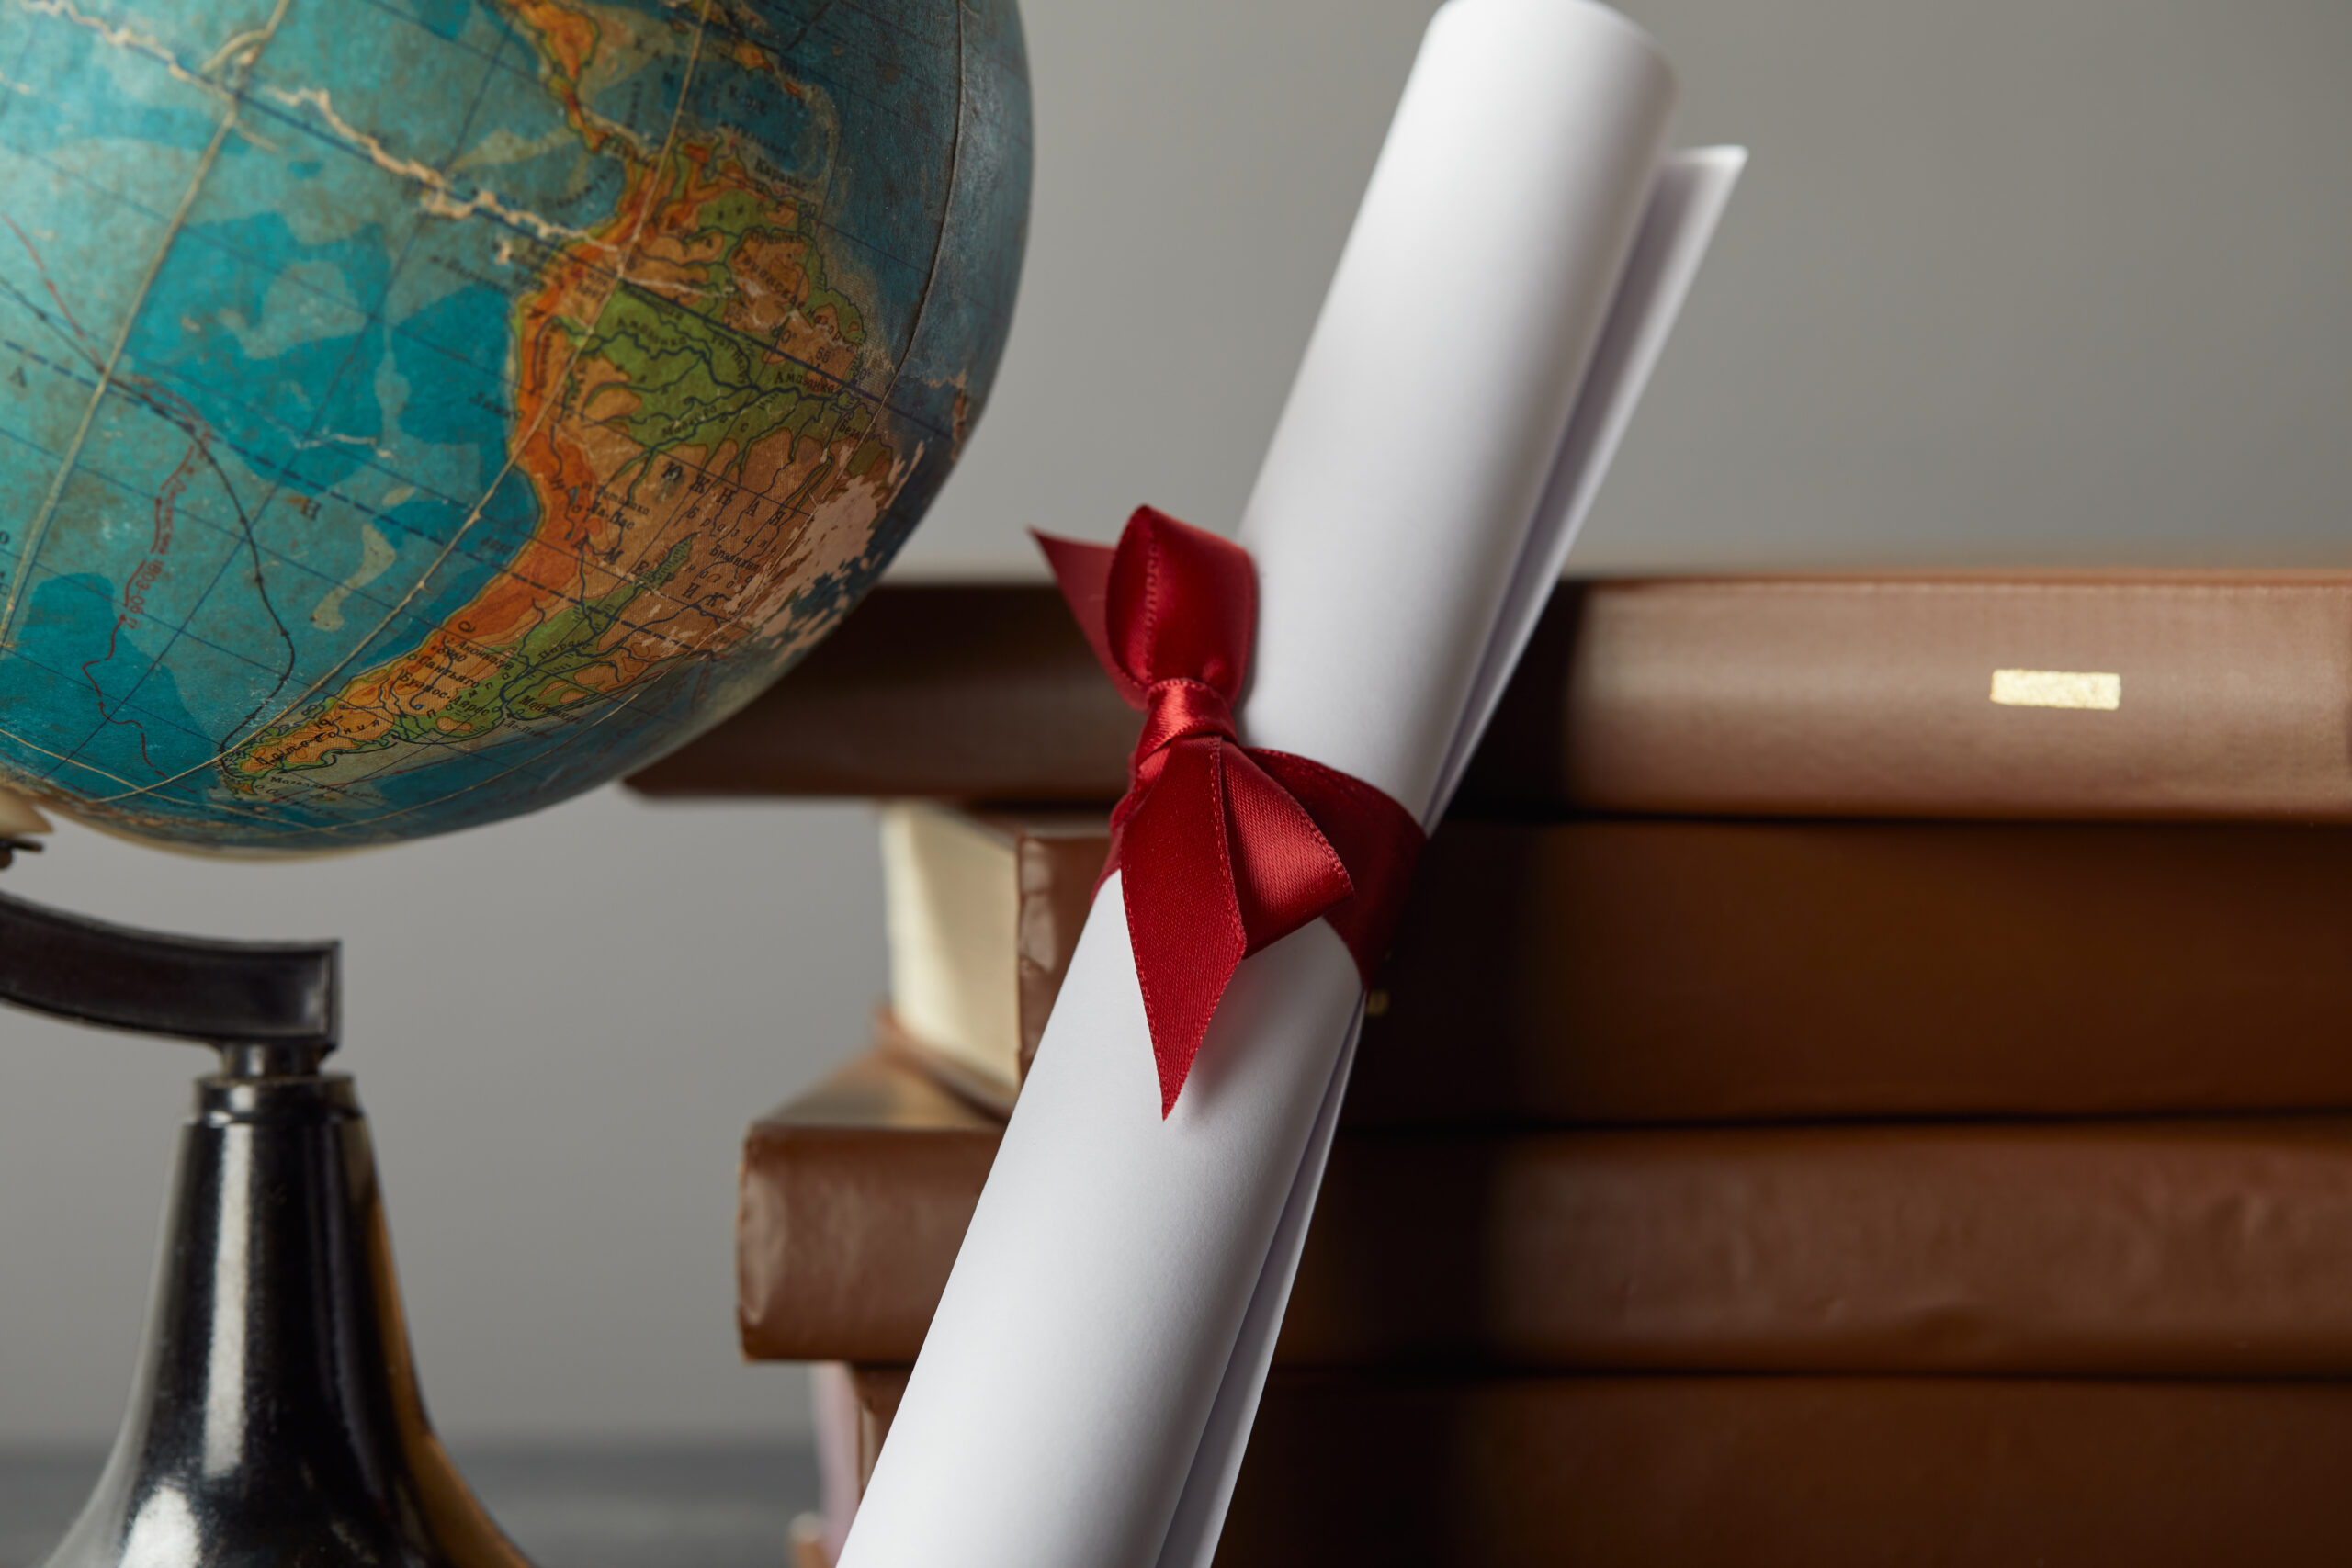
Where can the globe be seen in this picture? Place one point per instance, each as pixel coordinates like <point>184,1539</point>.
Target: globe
<point>413,412</point>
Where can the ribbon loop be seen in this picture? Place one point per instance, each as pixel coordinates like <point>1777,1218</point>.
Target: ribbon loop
<point>1222,850</point>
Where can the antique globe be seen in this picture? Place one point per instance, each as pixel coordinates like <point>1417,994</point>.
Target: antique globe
<point>416,411</point>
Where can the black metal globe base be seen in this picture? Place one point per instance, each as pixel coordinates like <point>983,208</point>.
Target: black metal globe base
<point>275,1421</point>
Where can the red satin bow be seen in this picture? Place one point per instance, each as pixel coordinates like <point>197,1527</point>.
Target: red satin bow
<point>1223,849</point>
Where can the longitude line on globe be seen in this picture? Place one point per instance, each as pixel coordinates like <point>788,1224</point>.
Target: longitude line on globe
<point>474,515</point>
<point>308,434</point>
<point>303,127</point>
<point>258,461</point>
<point>183,629</point>
<point>39,528</point>
<point>186,513</point>
<point>260,464</point>
<point>414,21</point>
<point>250,522</point>
<point>939,235</point>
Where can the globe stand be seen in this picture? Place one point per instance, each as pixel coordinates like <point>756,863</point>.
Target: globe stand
<point>276,1419</point>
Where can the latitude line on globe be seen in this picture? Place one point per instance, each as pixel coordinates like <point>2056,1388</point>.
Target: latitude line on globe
<point>203,441</point>
<point>618,278</point>
<point>181,630</point>
<point>276,485</point>
<point>641,554</point>
<point>196,516</point>
<point>513,222</point>
<point>647,628</point>
<point>303,127</point>
<point>612,710</point>
<point>275,475</point>
<point>28,743</point>
<point>629,251</point>
<point>39,532</point>
<point>74,760</point>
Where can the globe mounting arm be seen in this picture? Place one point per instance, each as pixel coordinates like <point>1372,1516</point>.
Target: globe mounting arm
<point>268,1006</point>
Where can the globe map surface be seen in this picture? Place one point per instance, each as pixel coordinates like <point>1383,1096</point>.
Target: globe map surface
<point>414,411</point>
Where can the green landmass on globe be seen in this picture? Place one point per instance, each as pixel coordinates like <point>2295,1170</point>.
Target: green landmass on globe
<point>416,411</point>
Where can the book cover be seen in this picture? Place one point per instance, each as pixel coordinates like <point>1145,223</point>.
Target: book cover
<point>1607,971</point>
<point>2165,696</point>
<point>1760,1472</point>
<point>2215,1247</point>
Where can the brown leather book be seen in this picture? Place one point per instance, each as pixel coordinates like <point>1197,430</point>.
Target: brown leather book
<point>1777,1471</point>
<point>2154,695</point>
<point>1679,1473</point>
<point>1649,970</point>
<point>981,692</point>
<point>1635,970</point>
<point>853,1201</point>
<point>2203,1248</point>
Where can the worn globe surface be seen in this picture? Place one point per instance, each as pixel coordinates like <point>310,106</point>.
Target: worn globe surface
<point>415,412</point>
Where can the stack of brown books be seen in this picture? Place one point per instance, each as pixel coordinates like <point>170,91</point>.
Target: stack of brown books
<point>1866,1076</point>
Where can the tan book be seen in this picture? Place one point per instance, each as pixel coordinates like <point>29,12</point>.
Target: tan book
<point>982,913</point>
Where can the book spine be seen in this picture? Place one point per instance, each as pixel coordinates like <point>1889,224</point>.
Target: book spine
<point>2158,697</point>
<point>1633,1472</point>
<point>2167,697</point>
<point>1057,877</point>
<point>1620,971</point>
<point>1636,971</point>
<point>1838,1472</point>
<point>844,1234</point>
<point>933,692</point>
<point>2151,1249</point>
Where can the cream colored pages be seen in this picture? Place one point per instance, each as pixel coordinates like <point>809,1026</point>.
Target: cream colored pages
<point>1058,1410</point>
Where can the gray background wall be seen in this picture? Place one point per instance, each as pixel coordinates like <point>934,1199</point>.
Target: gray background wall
<point>2011,282</point>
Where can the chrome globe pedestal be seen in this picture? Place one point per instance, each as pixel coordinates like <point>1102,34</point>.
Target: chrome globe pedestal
<point>276,1418</point>
<point>275,1421</point>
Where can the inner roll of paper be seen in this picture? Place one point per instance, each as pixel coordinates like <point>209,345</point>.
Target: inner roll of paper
<point>1061,1399</point>
<point>1441,375</point>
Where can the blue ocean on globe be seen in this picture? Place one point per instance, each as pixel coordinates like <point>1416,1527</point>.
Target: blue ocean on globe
<point>416,411</point>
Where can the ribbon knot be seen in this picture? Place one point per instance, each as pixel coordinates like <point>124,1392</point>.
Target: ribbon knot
<point>1178,709</point>
<point>1222,850</point>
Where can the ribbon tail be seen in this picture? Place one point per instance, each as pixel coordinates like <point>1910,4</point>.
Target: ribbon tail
<point>1184,918</point>
<point>1285,872</point>
<point>1377,839</point>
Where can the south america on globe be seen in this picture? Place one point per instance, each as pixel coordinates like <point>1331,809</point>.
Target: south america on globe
<point>416,411</point>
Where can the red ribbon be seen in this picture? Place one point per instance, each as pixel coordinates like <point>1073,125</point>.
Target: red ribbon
<point>1223,849</point>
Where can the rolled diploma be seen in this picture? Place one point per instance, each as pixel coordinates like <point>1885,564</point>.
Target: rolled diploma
<point>1059,1405</point>
<point>1686,202</point>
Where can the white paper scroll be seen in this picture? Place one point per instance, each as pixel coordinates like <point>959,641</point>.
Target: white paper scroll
<point>1691,193</point>
<point>1086,1388</point>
